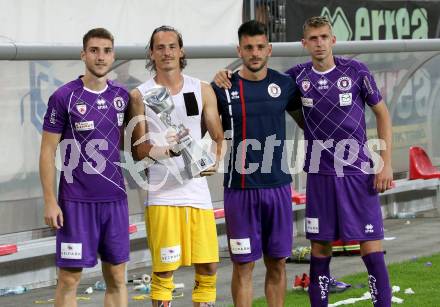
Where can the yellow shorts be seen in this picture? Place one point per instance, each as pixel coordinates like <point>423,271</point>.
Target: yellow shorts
<point>180,236</point>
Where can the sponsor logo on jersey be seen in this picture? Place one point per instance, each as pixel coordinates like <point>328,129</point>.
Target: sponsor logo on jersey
<point>119,103</point>
<point>240,246</point>
<point>274,90</point>
<point>170,254</point>
<point>322,84</point>
<point>53,116</point>
<point>305,84</point>
<point>345,99</point>
<point>369,228</point>
<point>344,84</point>
<point>312,225</point>
<point>81,107</point>
<point>85,126</point>
<point>373,288</point>
<point>368,86</point>
<point>71,250</point>
<point>102,105</point>
<point>307,102</point>
<point>324,282</point>
<point>120,119</point>
<point>235,95</point>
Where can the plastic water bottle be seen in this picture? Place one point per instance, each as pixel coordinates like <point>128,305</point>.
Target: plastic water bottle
<point>12,290</point>
<point>405,215</point>
<point>100,285</point>
<point>144,288</point>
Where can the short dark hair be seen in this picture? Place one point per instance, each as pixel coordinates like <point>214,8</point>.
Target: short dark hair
<point>150,63</point>
<point>251,28</point>
<point>99,33</point>
<point>316,22</point>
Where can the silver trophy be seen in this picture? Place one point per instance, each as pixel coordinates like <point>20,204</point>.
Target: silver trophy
<point>196,159</point>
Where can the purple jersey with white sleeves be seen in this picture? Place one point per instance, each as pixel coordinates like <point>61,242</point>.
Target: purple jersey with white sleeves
<point>333,104</point>
<point>90,124</point>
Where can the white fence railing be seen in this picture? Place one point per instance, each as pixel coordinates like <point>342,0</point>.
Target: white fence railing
<point>14,51</point>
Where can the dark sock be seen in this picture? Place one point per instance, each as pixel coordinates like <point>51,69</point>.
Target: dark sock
<point>378,279</point>
<point>319,281</point>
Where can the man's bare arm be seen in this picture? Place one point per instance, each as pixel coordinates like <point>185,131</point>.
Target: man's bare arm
<point>53,215</point>
<point>211,118</point>
<point>383,180</point>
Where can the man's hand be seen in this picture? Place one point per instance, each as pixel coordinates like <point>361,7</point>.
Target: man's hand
<point>210,171</point>
<point>222,77</point>
<point>384,179</point>
<point>171,137</point>
<point>53,216</point>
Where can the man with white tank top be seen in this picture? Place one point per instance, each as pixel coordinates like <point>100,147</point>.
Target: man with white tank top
<point>179,216</point>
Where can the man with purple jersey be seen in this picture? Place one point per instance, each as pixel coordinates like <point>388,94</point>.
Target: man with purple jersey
<point>85,118</point>
<point>342,185</point>
<point>257,191</point>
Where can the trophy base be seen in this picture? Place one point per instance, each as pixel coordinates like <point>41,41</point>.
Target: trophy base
<point>194,168</point>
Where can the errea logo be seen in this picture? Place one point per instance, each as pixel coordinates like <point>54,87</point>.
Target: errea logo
<point>101,104</point>
<point>369,228</point>
<point>341,26</point>
<point>322,84</point>
<point>235,95</point>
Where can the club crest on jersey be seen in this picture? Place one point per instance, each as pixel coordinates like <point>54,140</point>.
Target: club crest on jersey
<point>305,84</point>
<point>274,90</point>
<point>81,107</point>
<point>119,103</point>
<point>344,84</point>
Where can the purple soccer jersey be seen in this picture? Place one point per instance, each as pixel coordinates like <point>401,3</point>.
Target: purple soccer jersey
<point>333,104</point>
<point>258,221</point>
<point>90,124</point>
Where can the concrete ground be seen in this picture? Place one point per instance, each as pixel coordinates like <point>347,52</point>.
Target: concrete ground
<point>414,237</point>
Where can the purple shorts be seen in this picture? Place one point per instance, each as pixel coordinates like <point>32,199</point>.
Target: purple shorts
<point>91,228</point>
<point>258,221</point>
<point>345,208</point>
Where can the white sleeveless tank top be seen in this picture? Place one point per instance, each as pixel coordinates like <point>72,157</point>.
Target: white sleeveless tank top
<point>166,186</point>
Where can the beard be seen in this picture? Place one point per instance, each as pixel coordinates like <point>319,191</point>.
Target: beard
<point>258,68</point>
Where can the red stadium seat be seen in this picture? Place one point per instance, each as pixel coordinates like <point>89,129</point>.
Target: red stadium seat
<point>132,228</point>
<point>8,249</point>
<point>298,198</point>
<point>420,166</point>
<point>219,213</point>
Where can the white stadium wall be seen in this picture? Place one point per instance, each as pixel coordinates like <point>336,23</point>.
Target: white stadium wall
<point>27,85</point>
<point>200,21</point>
